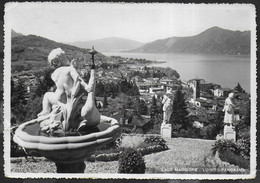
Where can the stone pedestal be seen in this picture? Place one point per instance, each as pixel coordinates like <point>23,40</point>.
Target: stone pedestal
<point>229,132</point>
<point>166,130</point>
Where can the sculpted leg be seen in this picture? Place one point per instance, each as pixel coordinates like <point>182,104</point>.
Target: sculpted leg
<point>89,112</point>
<point>46,103</point>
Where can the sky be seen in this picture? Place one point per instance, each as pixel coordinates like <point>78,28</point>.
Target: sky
<point>69,22</point>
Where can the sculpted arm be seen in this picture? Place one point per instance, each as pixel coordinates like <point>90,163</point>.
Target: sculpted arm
<point>74,74</point>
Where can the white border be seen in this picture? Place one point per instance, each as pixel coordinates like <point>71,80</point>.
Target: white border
<point>7,76</point>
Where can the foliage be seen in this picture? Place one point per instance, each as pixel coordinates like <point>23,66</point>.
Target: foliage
<point>100,89</point>
<point>156,141</point>
<point>105,104</point>
<point>109,65</point>
<point>19,93</point>
<point>215,127</point>
<point>224,144</point>
<point>244,147</point>
<point>25,112</point>
<point>209,132</point>
<point>169,72</point>
<point>44,82</point>
<point>193,132</point>
<point>131,161</point>
<point>238,88</point>
<point>247,118</point>
<point>154,108</point>
<point>156,72</point>
<point>231,157</point>
<point>23,106</point>
<point>129,88</point>
<point>235,153</point>
<point>143,108</point>
<point>143,145</point>
<point>114,89</point>
<point>179,114</point>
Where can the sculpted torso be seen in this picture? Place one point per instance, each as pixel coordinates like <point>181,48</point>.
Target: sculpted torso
<point>60,76</point>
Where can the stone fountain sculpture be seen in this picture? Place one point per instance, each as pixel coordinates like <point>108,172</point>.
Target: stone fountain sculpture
<point>69,128</point>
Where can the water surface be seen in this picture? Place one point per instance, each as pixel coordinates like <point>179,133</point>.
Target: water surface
<point>226,70</point>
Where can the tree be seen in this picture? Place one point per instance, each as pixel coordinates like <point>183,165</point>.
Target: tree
<point>105,104</point>
<point>135,89</point>
<point>124,86</point>
<point>21,109</point>
<point>247,118</point>
<point>44,82</point>
<point>129,103</point>
<point>100,88</point>
<point>143,108</point>
<point>154,108</point>
<point>238,88</point>
<point>179,114</point>
<point>19,93</point>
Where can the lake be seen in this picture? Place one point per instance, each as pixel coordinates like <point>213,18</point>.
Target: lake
<point>226,70</point>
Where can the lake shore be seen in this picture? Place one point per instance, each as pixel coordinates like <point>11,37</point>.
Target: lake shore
<point>226,70</point>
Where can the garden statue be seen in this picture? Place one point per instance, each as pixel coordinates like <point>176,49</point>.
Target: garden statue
<point>69,128</point>
<point>229,131</point>
<point>167,108</point>
<point>166,128</point>
<point>229,110</point>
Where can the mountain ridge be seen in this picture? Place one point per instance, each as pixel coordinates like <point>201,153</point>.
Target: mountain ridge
<point>37,48</point>
<point>214,40</point>
<point>109,44</point>
<point>15,34</point>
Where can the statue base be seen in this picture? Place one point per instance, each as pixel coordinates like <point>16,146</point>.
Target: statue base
<point>166,130</point>
<point>229,133</point>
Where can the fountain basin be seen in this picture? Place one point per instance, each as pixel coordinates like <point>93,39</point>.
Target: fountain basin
<point>67,149</point>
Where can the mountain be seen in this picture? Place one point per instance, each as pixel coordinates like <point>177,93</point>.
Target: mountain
<point>212,41</point>
<point>109,44</point>
<point>15,34</point>
<point>36,48</point>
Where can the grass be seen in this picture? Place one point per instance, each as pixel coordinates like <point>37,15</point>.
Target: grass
<point>183,156</point>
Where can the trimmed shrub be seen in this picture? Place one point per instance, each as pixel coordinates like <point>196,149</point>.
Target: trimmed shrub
<point>131,161</point>
<point>244,147</point>
<point>233,153</point>
<point>156,140</point>
<point>224,144</point>
<point>229,156</point>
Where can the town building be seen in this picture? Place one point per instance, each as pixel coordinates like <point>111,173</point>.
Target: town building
<point>218,92</point>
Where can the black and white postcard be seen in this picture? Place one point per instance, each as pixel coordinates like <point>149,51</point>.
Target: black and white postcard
<point>129,90</point>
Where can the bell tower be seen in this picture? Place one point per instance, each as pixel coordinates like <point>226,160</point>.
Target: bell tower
<point>196,89</point>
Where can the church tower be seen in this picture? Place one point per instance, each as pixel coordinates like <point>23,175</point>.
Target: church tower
<point>196,89</point>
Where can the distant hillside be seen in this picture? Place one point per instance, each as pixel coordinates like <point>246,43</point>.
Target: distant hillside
<point>15,34</point>
<point>212,41</point>
<point>36,48</point>
<point>109,44</point>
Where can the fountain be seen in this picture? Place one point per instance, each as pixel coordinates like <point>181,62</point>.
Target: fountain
<point>69,128</point>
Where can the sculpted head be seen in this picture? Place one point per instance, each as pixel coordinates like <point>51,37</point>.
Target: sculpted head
<point>58,58</point>
<point>231,95</point>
